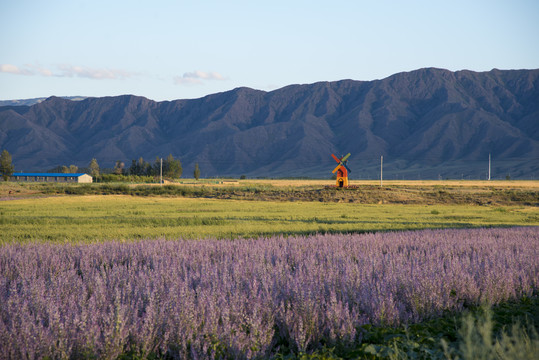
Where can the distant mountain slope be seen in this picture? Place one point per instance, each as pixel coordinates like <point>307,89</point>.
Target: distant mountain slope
<point>30,102</point>
<point>426,123</point>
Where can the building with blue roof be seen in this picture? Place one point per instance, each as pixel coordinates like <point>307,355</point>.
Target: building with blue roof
<point>52,177</point>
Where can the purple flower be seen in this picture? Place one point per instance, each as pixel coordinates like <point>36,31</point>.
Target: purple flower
<point>244,298</point>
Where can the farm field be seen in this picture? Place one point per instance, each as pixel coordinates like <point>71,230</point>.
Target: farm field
<point>524,184</point>
<point>281,270</point>
<point>269,297</point>
<point>366,192</point>
<point>118,217</point>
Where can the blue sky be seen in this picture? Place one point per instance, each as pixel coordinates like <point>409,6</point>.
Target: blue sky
<point>166,50</point>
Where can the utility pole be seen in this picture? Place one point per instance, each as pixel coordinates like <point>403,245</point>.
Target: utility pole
<point>488,166</point>
<point>161,173</point>
<point>381,168</point>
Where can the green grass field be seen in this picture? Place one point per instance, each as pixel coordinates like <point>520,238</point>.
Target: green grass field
<point>116,217</point>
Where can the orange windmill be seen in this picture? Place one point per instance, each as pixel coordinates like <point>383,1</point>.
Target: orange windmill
<point>342,170</point>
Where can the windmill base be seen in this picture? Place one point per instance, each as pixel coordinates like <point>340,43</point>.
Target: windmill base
<point>349,187</point>
<point>342,181</point>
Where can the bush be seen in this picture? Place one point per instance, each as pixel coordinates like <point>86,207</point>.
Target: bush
<point>478,340</point>
<point>107,178</point>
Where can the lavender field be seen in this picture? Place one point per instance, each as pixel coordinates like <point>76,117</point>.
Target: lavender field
<point>248,298</point>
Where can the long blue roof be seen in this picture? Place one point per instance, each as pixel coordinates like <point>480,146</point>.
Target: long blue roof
<point>49,174</point>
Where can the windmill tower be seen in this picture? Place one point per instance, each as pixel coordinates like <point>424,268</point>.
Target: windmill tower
<point>342,170</point>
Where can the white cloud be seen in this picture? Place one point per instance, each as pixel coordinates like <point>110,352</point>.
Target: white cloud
<point>197,77</point>
<point>91,73</point>
<point>40,70</point>
<point>12,69</point>
<point>182,80</point>
<point>65,70</point>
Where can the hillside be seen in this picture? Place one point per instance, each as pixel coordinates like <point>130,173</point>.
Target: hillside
<point>30,102</point>
<point>427,123</point>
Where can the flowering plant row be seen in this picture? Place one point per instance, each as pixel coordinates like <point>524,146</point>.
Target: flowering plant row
<point>247,298</point>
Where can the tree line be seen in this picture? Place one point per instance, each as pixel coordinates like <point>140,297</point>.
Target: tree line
<point>169,167</point>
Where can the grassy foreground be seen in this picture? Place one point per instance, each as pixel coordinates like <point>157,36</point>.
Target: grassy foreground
<point>296,208</point>
<point>96,218</point>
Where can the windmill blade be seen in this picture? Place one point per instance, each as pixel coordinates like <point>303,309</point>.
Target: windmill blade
<point>342,162</point>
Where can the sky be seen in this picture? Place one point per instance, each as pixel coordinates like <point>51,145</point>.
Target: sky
<point>167,50</point>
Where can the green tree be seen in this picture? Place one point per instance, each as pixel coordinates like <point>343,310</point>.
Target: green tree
<point>197,172</point>
<point>134,169</point>
<point>72,169</point>
<point>94,168</point>
<point>144,167</point>
<point>155,169</point>
<point>119,167</point>
<point>140,167</point>
<point>172,168</point>
<point>6,167</point>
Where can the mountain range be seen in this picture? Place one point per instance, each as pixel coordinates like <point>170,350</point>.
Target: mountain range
<point>427,123</point>
<point>30,102</point>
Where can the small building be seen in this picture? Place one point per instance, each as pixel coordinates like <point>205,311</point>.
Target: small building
<point>52,177</point>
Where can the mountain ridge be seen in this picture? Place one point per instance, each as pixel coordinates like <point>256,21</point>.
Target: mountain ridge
<point>417,120</point>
